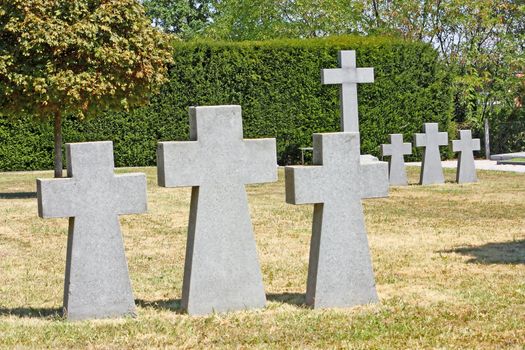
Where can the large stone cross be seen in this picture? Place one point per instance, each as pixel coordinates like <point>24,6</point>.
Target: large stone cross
<point>97,283</point>
<point>466,146</point>
<point>348,76</point>
<point>340,270</point>
<point>397,150</point>
<point>222,271</point>
<point>431,139</point>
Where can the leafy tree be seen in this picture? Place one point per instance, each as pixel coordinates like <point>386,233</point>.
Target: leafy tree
<point>186,18</point>
<point>84,57</point>
<point>268,19</point>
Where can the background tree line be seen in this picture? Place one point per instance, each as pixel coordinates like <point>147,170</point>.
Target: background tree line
<point>481,41</point>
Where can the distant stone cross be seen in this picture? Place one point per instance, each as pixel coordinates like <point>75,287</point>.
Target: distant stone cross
<point>397,150</point>
<point>431,169</point>
<point>222,271</point>
<point>348,76</point>
<point>340,271</point>
<point>97,282</point>
<point>466,146</point>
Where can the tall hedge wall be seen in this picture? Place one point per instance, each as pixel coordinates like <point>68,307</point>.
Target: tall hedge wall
<point>277,83</point>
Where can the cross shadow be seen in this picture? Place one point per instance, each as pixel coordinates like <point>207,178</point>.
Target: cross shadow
<point>30,312</point>
<point>512,252</point>
<point>167,304</point>
<point>17,195</point>
<point>297,299</point>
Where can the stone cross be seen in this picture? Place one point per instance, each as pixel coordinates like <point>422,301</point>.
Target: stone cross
<point>348,76</point>
<point>97,283</point>
<point>431,169</point>
<point>374,173</point>
<point>397,150</point>
<point>222,271</point>
<point>466,146</point>
<point>340,270</point>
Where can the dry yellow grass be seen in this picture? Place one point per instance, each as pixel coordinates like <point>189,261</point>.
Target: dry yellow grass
<point>449,263</point>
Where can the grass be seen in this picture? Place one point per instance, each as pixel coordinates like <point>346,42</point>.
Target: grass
<point>449,262</point>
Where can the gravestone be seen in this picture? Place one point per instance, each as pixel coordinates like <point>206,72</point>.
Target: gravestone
<point>397,150</point>
<point>431,139</point>
<point>466,146</point>
<point>374,173</point>
<point>340,270</point>
<point>222,271</point>
<point>97,283</point>
<point>348,76</point>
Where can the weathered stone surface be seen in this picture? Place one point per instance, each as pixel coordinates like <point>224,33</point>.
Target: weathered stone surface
<point>466,146</point>
<point>348,76</point>
<point>340,271</point>
<point>397,150</point>
<point>222,271</point>
<point>97,283</point>
<point>375,173</point>
<point>431,169</point>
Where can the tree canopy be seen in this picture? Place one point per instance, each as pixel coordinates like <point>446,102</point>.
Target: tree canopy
<point>77,57</point>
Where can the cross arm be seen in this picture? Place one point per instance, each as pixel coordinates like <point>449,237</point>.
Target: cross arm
<point>260,160</point>
<point>407,148</point>
<point>131,196</point>
<point>386,150</point>
<point>57,198</point>
<point>420,140</point>
<point>443,138</point>
<point>303,184</point>
<point>457,146</point>
<point>476,145</point>
<point>179,164</point>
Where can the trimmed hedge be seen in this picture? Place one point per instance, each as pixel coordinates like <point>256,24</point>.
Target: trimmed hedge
<point>277,83</point>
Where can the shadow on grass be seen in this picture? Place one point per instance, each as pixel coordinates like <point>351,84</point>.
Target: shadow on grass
<point>17,195</point>
<point>512,252</point>
<point>297,299</point>
<point>24,312</point>
<point>166,304</point>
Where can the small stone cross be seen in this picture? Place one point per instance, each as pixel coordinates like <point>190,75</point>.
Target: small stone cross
<point>97,283</point>
<point>431,169</point>
<point>348,76</point>
<point>466,146</point>
<point>222,271</point>
<point>340,270</point>
<point>396,150</point>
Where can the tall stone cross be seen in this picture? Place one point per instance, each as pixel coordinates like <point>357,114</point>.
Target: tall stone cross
<point>97,283</point>
<point>431,139</point>
<point>397,150</point>
<point>348,76</point>
<point>374,174</point>
<point>222,271</point>
<point>466,146</point>
<point>340,270</point>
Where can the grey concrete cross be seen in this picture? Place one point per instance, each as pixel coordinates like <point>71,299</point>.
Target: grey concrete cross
<point>222,271</point>
<point>348,76</point>
<point>340,270</point>
<point>397,150</point>
<point>374,173</point>
<point>431,169</point>
<point>97,282</point>
<point>466,146</point>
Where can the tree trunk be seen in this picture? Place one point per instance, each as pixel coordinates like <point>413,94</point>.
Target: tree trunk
<point>487,138</point>
<point>58,144</point>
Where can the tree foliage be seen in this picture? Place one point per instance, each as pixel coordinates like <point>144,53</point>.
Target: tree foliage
<point>77,57</point>
<point>186,18</point>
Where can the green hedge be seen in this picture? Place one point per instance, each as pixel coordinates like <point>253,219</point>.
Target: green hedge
<point>277,83</point>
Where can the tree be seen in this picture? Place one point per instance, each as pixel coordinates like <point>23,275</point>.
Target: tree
<point>186,18</point>
<point>268,19</point>
<point>84,57</point>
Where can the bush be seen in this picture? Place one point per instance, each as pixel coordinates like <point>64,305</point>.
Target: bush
<point>277,83</point>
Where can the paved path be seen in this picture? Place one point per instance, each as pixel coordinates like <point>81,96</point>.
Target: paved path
<point>481,165</point>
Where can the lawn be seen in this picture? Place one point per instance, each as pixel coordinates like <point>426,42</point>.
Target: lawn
<point>449,262</point>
